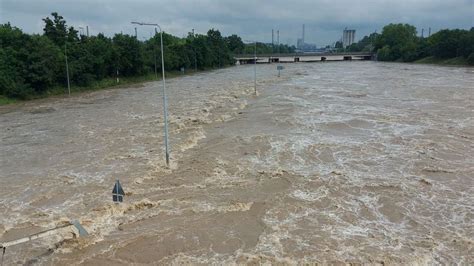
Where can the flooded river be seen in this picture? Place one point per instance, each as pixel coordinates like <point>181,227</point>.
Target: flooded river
<point>354,162</point>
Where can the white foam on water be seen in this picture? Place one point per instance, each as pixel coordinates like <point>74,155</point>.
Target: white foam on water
<point>321,192</point>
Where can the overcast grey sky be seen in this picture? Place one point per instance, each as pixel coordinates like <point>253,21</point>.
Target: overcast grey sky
<point>251,19</point>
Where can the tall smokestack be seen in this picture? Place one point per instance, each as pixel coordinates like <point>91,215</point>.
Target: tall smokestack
<point>273,41</point>
<point>278,40</point>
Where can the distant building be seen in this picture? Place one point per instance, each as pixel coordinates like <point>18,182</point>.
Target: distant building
<point>348,37</point>
<point>302,46</point>
<point>299,44</point>
<point>308,48</point>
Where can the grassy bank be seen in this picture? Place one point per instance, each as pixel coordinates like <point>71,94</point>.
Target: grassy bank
<point>4,100</point>
<point>457,61</point>
<point>107,83</point>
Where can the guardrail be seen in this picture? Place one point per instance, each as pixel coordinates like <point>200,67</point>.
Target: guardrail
<point>303,54</point>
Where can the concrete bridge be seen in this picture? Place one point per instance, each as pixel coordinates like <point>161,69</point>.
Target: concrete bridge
<point>302,57</point>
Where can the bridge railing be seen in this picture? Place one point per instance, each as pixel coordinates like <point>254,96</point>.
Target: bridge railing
<point>304,54</point>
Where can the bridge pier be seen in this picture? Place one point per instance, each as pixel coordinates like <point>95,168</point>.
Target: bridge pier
<point>246,61</point>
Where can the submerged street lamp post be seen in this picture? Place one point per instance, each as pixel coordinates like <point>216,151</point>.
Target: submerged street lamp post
<point>254,65</point>
<point>255,68</point>
<point>165,102</point>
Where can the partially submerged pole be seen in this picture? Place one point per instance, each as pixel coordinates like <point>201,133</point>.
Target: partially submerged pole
<point>254,64</point>
<point>255,68</point>
<point>49,232</point>
<point>165,101</point>
<point>41,234</point>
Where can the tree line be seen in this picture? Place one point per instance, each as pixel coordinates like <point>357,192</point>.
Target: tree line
<point>33,64</point>
<point>400,42</point>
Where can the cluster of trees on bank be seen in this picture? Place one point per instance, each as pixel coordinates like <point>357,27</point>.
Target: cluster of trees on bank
<point>265,48</point>
<point>33,64</point>
<point>399,42</point>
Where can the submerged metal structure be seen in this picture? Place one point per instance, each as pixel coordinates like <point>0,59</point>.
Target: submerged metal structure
<point>74,225</point>
<point>117,192</point>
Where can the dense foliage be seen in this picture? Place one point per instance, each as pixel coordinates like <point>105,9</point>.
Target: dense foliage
<point>32,65</point>
<point>264,48</point>
<point>399,42</point>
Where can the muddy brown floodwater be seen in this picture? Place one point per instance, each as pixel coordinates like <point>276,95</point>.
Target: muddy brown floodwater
<point>351,162</point>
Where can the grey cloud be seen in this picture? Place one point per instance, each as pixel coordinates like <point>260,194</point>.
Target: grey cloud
<point>252,19</point>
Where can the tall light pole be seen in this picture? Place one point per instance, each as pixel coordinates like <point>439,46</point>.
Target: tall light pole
<point>67,70</point>
<point>165,102</point>
<point>195,55</point>
<point>67,67</point>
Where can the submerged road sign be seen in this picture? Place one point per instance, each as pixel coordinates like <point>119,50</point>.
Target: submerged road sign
<point>117,192</point>
<point>279,68</point>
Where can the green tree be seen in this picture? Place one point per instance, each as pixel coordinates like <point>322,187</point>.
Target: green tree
<point>235,44</point>
<point>445,43</point>
<point>384,54</point>
<point>220,54</point>
<point>43,63</point>
<point>12,83</point>
<point>366,44</point>
<point>422,49</point>
<point>466,44</point>
<point>399,41</point>
<point>470,59</point>
<point>102,54</point>
<point>128,60</point>
<point>29,64</point>
<point>55,29</point>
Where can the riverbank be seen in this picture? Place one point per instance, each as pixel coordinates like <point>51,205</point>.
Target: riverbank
<point>457,61</point>
<point>107,83</point>
<point>4,100</point>
<point>110,83</point>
